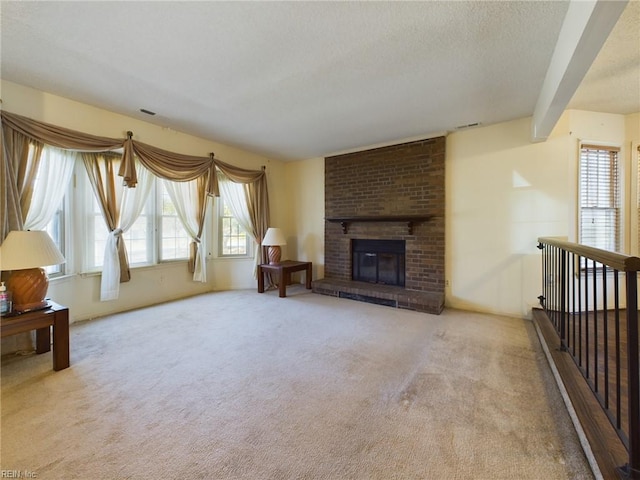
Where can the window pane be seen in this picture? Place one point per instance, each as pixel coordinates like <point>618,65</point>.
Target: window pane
<point>234,240</point>
<point>599,198</point>
<point>99,235</point>
<point>136,240</point>
<point>174,239</point>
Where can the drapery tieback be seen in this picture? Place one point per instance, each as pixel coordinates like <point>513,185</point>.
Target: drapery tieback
<point>116,232</point>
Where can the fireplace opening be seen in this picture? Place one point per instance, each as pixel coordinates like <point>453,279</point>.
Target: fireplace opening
<point>378,261</point>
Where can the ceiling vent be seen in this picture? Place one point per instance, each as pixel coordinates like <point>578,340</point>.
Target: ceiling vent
<point>468,125</point>
<point>148,112</point>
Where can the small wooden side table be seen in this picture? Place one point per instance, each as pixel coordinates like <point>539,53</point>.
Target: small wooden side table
<point>41,321</point>
<point>283,270</point>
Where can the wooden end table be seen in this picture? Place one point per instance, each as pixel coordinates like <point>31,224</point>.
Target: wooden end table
<point>283,270</point>
<point>41,321</point>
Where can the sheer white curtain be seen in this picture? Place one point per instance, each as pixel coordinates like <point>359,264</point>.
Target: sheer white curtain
<point>234,195</point>
<point>52,180</point>
<point>185,198</point>
<point>132,203</point>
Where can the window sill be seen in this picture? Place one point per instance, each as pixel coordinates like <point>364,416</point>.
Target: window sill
<point>236,257</point>
<point>62,278</point>
<point>155,266</point>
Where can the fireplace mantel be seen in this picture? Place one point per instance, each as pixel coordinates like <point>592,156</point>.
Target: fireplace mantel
<point>408,219</point>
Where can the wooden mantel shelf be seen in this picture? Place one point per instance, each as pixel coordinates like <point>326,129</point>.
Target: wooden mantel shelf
<point>408,219</point>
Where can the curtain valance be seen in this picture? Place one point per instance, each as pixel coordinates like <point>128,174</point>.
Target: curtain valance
<point>57,136</point>
<point>18,132</point>
<point>163,163</point>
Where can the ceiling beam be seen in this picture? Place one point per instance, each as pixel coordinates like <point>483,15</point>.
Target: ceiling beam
<point>584,31</point>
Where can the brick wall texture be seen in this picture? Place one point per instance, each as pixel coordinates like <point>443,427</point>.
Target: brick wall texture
<point>404,179</point>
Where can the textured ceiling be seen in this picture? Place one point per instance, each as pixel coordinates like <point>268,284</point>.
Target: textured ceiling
<point>612,85</point>
<point>296,80</point>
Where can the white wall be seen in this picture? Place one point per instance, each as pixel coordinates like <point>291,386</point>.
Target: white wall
<point>165,282</point>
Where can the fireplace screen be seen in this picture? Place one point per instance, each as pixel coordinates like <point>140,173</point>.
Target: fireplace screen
<point>378,261</point>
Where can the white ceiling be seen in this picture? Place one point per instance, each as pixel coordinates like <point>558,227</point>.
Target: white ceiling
<point>294,80</point>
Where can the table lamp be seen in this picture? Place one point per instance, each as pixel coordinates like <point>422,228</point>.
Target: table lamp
<point>25,252</point>
<point>273,239</point>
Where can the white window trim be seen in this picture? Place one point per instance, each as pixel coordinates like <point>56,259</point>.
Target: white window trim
<point>624,193</point>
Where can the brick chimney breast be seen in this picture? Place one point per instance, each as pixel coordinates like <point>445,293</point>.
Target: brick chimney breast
<point>399,180</point>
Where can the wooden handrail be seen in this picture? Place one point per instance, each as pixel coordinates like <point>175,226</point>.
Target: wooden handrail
<point>617,261</point>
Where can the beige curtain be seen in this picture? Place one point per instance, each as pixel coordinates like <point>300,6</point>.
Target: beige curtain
<point>190,200</point>
<point>101,169</point>
<point>255,183</point>
<point>257,203</point>
<point>165,164</point>
<point>17,177</point>
<point>58,136</point>
<point>18,170</point>
<point>203,201</point>
<point>162,163</point>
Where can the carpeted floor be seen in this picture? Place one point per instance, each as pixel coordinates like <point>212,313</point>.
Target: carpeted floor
<point>238,385</point>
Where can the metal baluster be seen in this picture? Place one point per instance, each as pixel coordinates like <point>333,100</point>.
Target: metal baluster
<point>595,326</point>
<point>616,295</point>
<point>586,316</point>
<point>579,311</point>
<point>633,361</point>
<point>605,334</point>
<point>573,302</point>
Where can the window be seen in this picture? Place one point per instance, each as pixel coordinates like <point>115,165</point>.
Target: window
<point>599,216</point>
<point>156,235</point>
<point>234,240</point>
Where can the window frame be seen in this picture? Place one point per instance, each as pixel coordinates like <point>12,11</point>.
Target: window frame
<point>615,191</point>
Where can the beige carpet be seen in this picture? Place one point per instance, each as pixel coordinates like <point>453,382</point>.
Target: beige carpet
<point>238,385</point>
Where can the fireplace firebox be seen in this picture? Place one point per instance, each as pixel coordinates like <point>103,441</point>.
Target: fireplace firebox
<point>378,261</point>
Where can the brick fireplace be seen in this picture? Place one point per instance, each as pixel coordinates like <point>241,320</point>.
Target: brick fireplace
<point>394,193</point>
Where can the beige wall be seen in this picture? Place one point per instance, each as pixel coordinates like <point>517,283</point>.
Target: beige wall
<point>503,192</point>
<point>164,282</point>
<point>632,128</point>
<point>305,237</point>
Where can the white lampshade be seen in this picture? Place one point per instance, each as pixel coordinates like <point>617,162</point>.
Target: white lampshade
<point>274,236</point>
<point>28,249</point>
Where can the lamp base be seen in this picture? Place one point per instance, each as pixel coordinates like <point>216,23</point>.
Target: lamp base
<point>28,288</point>
<point>274,252</point>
